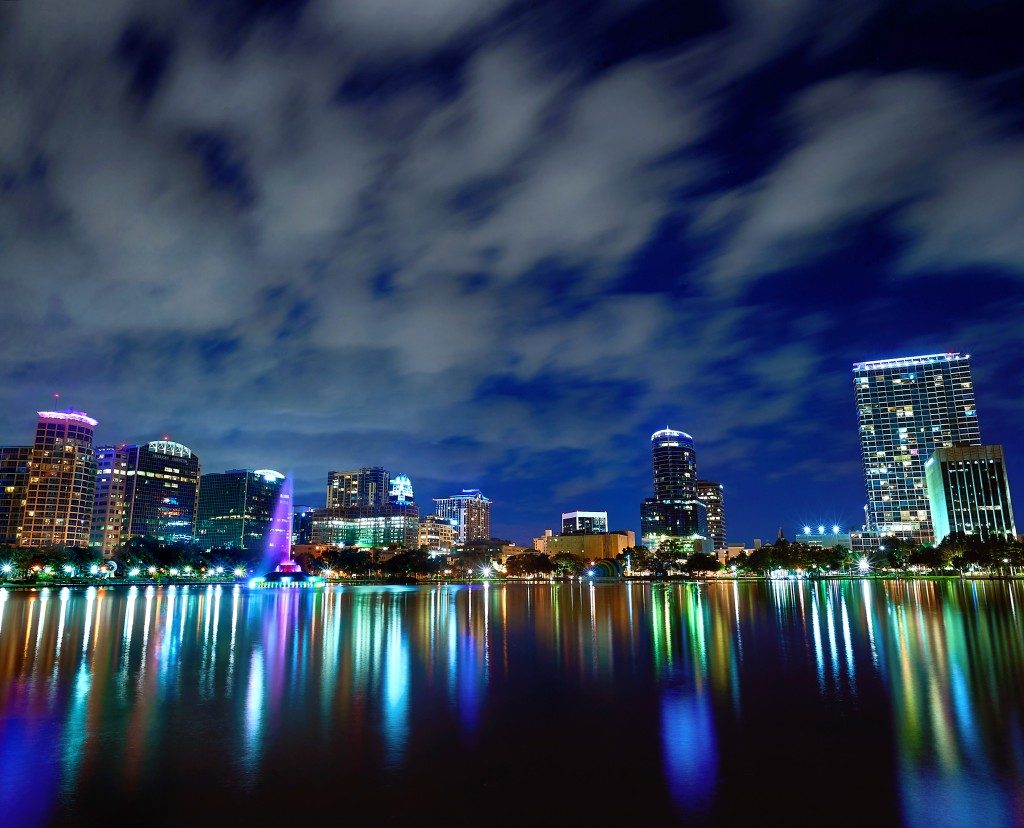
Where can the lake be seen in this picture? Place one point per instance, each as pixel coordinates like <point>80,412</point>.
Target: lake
<point>839,702</point>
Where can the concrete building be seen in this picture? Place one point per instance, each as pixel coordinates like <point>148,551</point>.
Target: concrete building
<point>589,546</point>
<point>14,463</point>
<point>361,488</point>
<point>968,492</point>
<point>61,481</point>
<point>437,534</point>
<point>471,512</point>
<point>712,495</point>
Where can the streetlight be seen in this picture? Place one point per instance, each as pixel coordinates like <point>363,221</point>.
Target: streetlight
<point>863,565</point>
<point>7,569</point>
<point>239,572</point>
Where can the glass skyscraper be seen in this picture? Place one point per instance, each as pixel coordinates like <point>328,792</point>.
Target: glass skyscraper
<point>674,511</point>
<point>968,492</point>
<point>147,490</point>
<point>236,508</point>
<point>908,408</point>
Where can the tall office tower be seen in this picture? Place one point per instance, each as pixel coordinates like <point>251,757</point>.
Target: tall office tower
<point>968,492</point>
<point>712,495</point>
<point>674,511</point>
<point>908,408</point>
<point>302,524</point>
<point>584,523</point>
<point>471,512</point>
<point>369,486</point>
<point>236,508</point>
<point>61,481</point>
<point>149,490</point>
<point>108,512</point>
<point>14,462</point>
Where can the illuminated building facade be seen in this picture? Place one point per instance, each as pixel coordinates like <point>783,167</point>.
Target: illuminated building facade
<point>590,546</point>
<point>674,511</point>
<point>968,492</point>
<point>61,481</point>
<point>147,491</point>
<point>437,534</point>
<point>584,523</point>
<point>470,511</point>
<point>14,462</point>
<point>367,527</point>
<point>712,495</point>
<point>824,536</point>
<point>236,508</point>
<point>908,408</point>
<point>366,487</point>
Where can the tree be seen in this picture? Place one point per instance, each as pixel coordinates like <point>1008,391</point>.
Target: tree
<point>567,565</point>
<point>528,563</point>
<point>700,563</point>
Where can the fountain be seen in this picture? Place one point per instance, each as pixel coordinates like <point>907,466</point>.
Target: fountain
<point>286,572</point>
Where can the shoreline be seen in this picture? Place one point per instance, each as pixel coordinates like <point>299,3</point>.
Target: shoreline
<point>355,582</point>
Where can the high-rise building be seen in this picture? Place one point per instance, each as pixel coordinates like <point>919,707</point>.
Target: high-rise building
<point>908,408</point>
<point>674,511</point>
<point>302,525</point>
<point>471,512</point>
<point>366,487</point>
<point>236,508</point>
<point>712,495</point>
<point>968,492</point>
<point>148,490</point>
<point>437,534</point>
<point>14,462</point>
<point>584,523</point>
<point>61,481</point>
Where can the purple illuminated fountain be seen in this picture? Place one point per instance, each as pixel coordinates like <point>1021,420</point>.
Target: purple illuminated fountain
<point>285,572</point>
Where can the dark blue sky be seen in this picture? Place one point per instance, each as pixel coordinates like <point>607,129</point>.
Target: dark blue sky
<point>496,244</point>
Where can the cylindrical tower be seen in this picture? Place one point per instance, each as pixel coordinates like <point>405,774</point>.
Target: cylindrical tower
<point>675,466</point>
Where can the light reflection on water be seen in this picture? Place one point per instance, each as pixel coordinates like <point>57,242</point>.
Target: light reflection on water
<point>682,694</point>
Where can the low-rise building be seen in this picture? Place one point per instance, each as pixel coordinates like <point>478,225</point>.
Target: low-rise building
<point>590,546</point>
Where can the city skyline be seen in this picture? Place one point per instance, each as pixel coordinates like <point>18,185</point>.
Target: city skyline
<point>373,483</point>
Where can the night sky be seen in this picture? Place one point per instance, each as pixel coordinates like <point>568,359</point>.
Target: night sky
<point>495,245</point>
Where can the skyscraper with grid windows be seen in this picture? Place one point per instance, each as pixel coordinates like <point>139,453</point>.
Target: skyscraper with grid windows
<point>907,408</point>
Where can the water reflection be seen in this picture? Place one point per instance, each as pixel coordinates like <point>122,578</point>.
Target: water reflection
<point>698,699</point>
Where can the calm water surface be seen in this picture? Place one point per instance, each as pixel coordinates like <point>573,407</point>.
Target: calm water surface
<point>844,702</point>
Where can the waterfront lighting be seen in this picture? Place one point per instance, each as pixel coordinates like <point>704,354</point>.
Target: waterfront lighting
<point>174,571</point>
<point>188,570</point>
<point>152,570</point>
<point>863,565</point>
<point>133,572</point>
<point>239,572</point>
<point>487,571</point>
<point>69,569</point>
<point>807,530</point>
<point>94,570</point>
<point>6,569</point>
<point>220,570</point>
<point>590,572</point>
<point>835,529</point>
